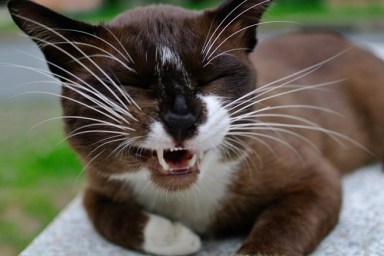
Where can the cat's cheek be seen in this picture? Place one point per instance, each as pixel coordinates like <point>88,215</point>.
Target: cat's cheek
<point>163,237</point>
<point>211,133</point>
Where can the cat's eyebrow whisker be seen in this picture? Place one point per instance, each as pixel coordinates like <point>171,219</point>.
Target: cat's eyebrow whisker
<point>208,43</point>
<point>111,56</point>
<point>229,23</point>
<point>224,53</point>
<point>79,62</point>
<point>127,56</point>
<point>239,31</point>
<point>119,42</point>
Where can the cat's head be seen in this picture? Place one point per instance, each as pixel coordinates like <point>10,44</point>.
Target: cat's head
<point>156,90</point>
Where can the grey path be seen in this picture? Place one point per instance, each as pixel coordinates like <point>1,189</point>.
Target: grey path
<point>360,231</point>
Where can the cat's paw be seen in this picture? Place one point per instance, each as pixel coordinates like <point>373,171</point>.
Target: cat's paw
<point>163,237</point>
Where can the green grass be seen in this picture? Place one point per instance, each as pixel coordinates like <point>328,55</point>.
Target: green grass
<point>38,176</point>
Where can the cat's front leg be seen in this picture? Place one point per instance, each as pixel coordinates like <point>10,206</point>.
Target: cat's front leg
<point>295,223</point>
<point>126,224</point>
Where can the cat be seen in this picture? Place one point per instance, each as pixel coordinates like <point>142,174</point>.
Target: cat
<point>190,128</point>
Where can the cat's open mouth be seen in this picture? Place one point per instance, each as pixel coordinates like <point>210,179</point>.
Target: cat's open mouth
<point>177,161</point>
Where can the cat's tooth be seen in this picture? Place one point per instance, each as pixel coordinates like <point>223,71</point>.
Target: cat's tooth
<point>193,160</point>
<point>162,162</point>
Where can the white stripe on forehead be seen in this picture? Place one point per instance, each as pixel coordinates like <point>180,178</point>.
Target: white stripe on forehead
<point>167,56</point>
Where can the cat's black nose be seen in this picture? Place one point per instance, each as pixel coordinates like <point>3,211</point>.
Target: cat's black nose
<point>179,119</point>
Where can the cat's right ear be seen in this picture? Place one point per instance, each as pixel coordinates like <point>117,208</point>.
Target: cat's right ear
<point>55,34</point>
<point>238,20</point>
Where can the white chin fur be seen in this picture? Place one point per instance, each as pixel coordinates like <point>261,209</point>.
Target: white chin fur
<point>162,237</point>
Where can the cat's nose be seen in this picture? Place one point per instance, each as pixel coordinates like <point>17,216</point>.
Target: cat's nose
<point>179,119</point>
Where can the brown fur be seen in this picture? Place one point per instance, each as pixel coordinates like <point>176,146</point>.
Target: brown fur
<point>287,200</point>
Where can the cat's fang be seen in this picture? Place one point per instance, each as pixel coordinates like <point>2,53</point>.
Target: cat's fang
<point>162,162</point>
<point>193,160</point>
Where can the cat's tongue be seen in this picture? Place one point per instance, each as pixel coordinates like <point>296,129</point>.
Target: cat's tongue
<point>177,161</point>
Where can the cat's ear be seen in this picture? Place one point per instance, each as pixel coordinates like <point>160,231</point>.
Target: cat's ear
<point>55,34</point>
<point>239,19</point>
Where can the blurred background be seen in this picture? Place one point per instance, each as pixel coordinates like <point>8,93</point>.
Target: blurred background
<point>39,174</point>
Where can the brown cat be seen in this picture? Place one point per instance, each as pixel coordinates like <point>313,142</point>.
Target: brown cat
<point>182,137</point>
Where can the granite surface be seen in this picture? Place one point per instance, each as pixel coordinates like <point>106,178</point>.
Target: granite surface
<point>360,231</point>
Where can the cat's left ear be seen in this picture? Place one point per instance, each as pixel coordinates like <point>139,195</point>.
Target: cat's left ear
<point>54,33</point>
<point>239,19</point>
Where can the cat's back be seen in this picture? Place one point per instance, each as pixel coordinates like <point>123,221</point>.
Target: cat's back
<point>326,70</point>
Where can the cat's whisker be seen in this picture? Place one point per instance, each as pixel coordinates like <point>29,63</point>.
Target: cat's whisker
<point>256,101</point>
<point>74,58</point>
<point>318,129</point>
<point>87,165</point>
<point>88,88</point>
<point>244,153</point>
<point>305,87</point>
<point>81,118</point>
<point>125,145</point>
<point>302,73</point>
<point>92,131</point>
<point>87,96</point>
<point>127,97</point>
<point>256,136</point>
<point>106,143</point>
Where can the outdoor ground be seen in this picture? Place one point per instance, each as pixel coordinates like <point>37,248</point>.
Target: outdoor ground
<point>38,174</point>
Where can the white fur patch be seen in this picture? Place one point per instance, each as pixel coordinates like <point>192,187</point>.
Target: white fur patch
<point>163,237</point>
<point>194,207</point>
<point>167,56</point>
<point>212,132</point>
<point>158,138</point>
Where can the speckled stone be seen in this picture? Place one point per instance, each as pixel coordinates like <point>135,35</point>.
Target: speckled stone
<point>360,231</point>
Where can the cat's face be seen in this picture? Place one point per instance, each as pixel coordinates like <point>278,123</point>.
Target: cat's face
<point>153,89</point>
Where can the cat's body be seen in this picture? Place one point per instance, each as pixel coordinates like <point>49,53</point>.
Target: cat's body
<point>195,146</point>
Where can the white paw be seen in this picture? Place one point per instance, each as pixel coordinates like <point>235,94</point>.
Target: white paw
<point>163,237</point>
